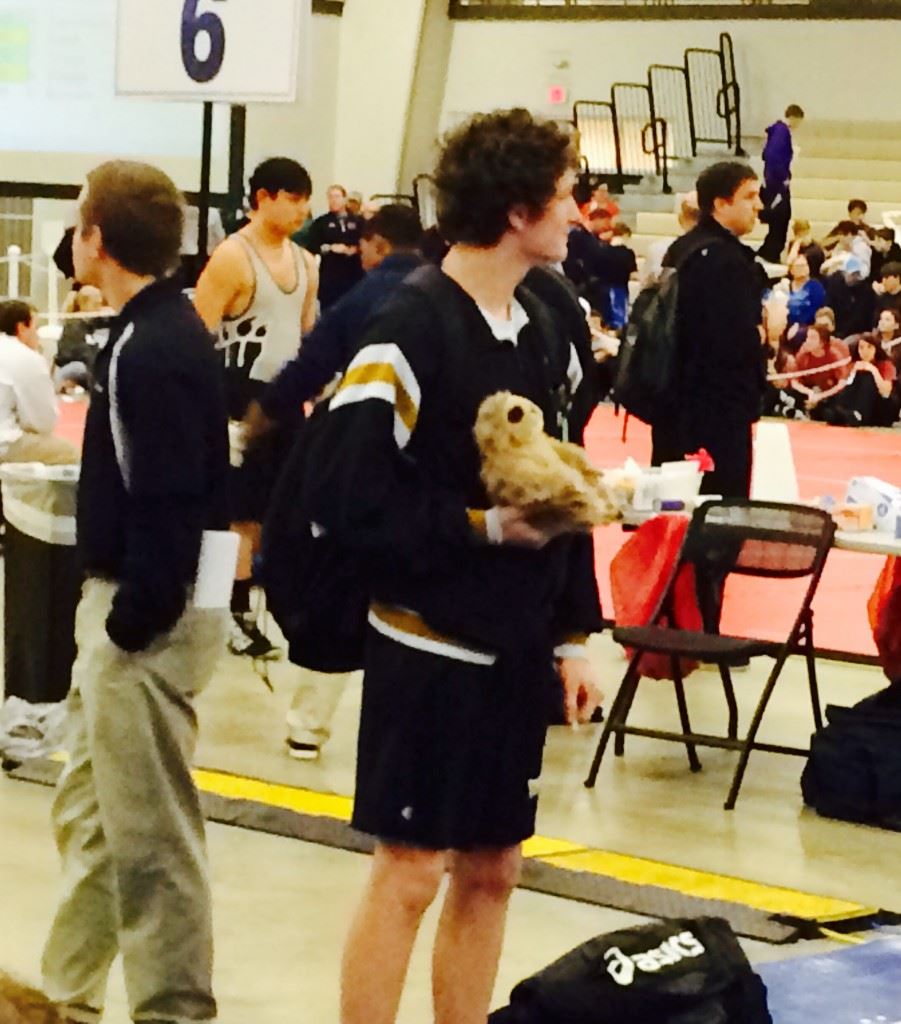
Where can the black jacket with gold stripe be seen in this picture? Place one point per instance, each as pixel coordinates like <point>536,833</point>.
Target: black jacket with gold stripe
<point>397,474</point>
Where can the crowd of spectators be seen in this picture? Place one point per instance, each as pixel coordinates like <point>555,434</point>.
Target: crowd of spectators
<point>830,326</point>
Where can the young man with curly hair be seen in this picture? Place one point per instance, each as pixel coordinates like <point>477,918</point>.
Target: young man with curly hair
<point>478,615</point>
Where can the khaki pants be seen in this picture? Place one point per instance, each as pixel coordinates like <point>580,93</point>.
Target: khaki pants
<point>46,448</point>
<point>313,706</point>
<point>128,823</point>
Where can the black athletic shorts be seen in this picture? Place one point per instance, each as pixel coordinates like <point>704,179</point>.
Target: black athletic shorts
<point>251,484</point>
<point>449,752</point>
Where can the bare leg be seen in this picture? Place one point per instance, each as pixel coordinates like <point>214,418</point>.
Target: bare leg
<point>471,934</point>
<point>402,884</point>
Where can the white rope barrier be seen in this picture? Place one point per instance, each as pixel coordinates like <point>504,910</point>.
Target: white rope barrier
<point>100,314</point>
<point>794,374</point>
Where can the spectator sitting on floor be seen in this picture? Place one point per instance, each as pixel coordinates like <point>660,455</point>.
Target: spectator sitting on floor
<point>857,210</point>
<point>804,244</point>
<point>778,334</point>
<point>687,213</point>
<point>887,331</point>
<point>846,241</point>
<point>863,398</point>
<point>779,398</point>
<point>823,359</point>
<point>600,224</point>
<point>622,265</point>
<point>77,348</point>
<point>888,291</point>
<point>594,266</point>
<point>805,295</point>
<point>825,317</point>
<point>884,249</point>
<point>28,410</point>
<point>851,297</point>
<point>775,319</point>
<point>600,199</point>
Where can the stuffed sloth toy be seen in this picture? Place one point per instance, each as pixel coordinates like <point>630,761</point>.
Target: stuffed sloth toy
<point>551,480</point>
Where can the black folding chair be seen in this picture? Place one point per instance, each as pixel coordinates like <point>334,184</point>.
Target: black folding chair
<point>748,538</point>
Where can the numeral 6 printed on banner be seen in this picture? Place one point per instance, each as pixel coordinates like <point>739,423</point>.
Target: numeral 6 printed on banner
<point>194,25</point>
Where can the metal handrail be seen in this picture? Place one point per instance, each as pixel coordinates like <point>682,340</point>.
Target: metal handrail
<point>658,136</point>
<point>680,70</point>
<point>615,135</point>
<point>658,147</point>
<point>731,92</point>
<point>622,128</point>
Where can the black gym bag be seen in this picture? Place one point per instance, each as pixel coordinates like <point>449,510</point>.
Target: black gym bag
<point>854,769</point>
<point>685,971</point>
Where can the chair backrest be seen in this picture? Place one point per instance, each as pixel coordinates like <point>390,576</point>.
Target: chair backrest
<point>759,538</point>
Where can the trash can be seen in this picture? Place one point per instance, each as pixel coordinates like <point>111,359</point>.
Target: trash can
<point>42,580</point>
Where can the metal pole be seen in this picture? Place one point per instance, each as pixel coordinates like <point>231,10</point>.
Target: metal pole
<point>236,153</point>
<point>206,161</point>
<point>14,254</point>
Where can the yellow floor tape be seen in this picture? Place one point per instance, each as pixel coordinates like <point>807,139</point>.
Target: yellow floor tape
<point>566,855</point>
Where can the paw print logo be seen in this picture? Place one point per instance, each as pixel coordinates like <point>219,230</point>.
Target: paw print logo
<point>243,341</point>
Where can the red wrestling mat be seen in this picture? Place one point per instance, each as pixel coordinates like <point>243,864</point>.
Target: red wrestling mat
<point>70,424</point>
<point>825,458</point>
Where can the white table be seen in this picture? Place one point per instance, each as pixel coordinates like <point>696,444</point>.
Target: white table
<point>874,542</point>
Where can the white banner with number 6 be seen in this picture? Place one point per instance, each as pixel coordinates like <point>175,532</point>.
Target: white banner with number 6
<point>229,51</point>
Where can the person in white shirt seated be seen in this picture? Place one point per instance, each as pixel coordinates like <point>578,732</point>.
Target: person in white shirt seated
<point>28,409</point>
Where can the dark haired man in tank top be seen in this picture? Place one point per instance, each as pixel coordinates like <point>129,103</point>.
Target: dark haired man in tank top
<point>258,294</point>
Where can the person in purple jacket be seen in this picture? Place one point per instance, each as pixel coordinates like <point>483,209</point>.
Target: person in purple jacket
<point>776,191</point>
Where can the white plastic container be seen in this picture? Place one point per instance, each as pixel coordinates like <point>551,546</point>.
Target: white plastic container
<point>679,481</point>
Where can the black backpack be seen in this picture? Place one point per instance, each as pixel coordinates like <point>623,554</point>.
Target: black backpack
<point>647,364</point>
<point>688,971</point>
<point>316,590</point>
<point>854,769</point>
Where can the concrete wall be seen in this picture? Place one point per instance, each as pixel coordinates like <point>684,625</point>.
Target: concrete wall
<point>376,67</point>
<point>839,70</point>
<point>304,130</point>
<point>427,98</point>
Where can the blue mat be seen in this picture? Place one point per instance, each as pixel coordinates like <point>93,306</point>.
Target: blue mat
<point>859,985</point>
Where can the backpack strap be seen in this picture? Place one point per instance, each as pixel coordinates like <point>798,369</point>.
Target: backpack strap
<point>698,245</point>
<point>443,295</point>
<point>555,357</point>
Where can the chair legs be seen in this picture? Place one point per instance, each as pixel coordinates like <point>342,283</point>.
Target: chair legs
<point>810,656</point>
<point>748,742</point>
<point>626,697</point>
<point>729,690</point>
<point>622,704</point>
<point>616,716</point>
<point>693,761</point>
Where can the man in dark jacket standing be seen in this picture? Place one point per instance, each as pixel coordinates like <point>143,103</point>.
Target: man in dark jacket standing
<point>126,815</point>
<point>335,237</point>
<point>389,246</point>
<point>721,368</point>
<point>778,153</point>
